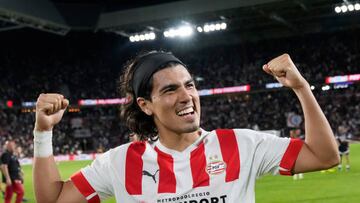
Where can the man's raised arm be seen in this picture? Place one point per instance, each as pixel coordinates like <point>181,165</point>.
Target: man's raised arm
<point>48,185</point>
<point>320,149</point>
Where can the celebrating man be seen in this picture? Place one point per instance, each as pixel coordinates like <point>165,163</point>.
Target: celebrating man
<point>182,163</point>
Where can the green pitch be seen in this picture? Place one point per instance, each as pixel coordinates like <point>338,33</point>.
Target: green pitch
<point>317,187</point>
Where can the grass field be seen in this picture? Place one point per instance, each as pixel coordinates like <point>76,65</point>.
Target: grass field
<point>317,187</point>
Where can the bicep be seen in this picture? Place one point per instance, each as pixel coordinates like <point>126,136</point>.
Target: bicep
<point>307,161</point>
<point>70,194</point>
<point>3,167</point>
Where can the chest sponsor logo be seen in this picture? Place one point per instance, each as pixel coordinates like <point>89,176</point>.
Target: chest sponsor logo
<point>215,167</point>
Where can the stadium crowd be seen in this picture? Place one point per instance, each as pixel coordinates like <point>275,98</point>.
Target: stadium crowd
<point>93,74</point>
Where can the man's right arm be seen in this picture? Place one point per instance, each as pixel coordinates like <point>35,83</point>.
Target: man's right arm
<point>48,185</point>
<point>5,171</point>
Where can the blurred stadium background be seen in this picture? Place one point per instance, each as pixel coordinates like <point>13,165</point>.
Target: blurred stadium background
<point>78,48</point>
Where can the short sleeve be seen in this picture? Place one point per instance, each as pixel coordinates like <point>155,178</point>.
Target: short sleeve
<point>94,181</point>
<point>273,154</point>
<point>5,158</point>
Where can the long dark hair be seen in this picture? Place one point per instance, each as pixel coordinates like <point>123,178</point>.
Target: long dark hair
<point>136,120</point>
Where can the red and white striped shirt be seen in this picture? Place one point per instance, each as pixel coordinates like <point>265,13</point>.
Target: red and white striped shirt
<point>221,166</point>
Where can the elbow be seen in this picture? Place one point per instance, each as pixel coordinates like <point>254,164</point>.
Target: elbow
<point>333,161</point>
<point>336,160</point>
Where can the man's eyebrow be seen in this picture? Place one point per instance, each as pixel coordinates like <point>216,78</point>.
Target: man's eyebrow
<point>190,81</point>
<point>174,86</point>
<point>169,86</point>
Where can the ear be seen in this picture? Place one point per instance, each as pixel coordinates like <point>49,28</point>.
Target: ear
<point>144,105</point>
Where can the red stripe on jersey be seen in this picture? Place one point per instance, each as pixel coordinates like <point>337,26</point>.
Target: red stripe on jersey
<point>230,153</point>
<point>198,167</point>
<point>167,180</point>
<point>288,161</point>
<point>134,167</point>
<point>84,187</point>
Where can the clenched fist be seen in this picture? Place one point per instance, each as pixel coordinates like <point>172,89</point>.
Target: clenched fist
<point>49,110</point>
<point>285,71</point>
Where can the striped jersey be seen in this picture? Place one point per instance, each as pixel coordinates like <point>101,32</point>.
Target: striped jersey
<point>221,166</point>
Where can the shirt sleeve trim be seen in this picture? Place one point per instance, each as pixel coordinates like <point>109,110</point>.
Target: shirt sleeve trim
<point>288,160</point>
<point>85,188</point>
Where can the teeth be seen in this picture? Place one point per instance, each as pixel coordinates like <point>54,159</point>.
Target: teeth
<point>186,111</point>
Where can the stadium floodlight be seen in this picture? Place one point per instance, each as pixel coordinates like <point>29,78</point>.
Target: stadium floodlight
<point>350,7</point>
<point>312,87</point>
<point>357,6</point>
<point>183,31</point>
<point>142,37</point>
<point>199,29</point>
<point>210,27</point>
<point>147,36</point>
<point>217,26</point>
<point>152,36</point>
<point>206,28</point>
<point>325,87</point>
<point>337,9</point>
<point>172,33</point>
<point>344,8</point>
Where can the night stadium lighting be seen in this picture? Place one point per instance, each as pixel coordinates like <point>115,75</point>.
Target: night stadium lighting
<point>223,26</point>
<point>182,31</point>
<point>344,8</point>
<point>217,26</point>
<point>357,6</point>
<point>347,7</point>
<point>210,27</point>
<point>206,28</point>
<point>325,87</point>
<point>337,9</point>
<point>350,7</point>
<point>142,37</point>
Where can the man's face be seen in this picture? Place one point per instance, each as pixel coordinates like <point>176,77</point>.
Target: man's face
<point>175,104</point>
<point>10,146</point>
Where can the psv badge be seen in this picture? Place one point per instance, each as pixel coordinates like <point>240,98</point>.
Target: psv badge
<point>215,167</point>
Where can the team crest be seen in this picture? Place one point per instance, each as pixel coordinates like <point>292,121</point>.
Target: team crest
<point>215,166</point>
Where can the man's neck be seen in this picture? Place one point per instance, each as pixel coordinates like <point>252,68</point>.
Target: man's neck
<point>178,142</point>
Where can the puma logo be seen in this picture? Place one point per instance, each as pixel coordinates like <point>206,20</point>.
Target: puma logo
<point>146,173</point>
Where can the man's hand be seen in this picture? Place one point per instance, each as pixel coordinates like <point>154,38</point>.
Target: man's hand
<point>49,110</point>
<point>8,182</point>
<point>285,71</point>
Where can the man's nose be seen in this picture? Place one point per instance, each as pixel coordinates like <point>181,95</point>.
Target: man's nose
<point>185,95</point>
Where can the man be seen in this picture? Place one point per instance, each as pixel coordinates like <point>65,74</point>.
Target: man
<point>185,163</point>
<point>11,170</point>
<point>342,137</point>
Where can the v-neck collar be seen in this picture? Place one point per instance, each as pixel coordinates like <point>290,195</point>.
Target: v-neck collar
<point>186,152</point>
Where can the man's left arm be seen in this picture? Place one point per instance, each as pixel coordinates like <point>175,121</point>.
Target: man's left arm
<point>319,150</point>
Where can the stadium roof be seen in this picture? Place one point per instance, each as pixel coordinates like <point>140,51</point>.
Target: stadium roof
<point>251,19</point>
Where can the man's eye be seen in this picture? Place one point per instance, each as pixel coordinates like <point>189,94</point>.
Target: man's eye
<point>168,90</point>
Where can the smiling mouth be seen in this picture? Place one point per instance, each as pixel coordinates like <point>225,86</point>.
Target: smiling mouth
<point>185,112</point>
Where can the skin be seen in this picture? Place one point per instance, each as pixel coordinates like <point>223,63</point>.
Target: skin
<point>173,91</point>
